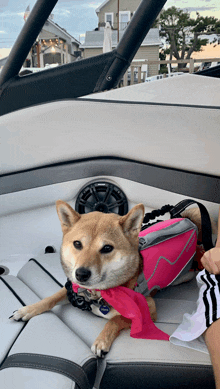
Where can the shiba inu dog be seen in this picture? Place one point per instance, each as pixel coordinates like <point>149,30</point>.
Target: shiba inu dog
<point>99,251</point>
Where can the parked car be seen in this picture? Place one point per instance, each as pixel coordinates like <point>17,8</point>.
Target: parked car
<point>206,65</point>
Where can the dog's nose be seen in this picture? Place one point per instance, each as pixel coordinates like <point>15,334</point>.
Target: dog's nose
<point>83,274</point>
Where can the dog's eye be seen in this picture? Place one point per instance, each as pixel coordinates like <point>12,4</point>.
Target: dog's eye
<point>77,244</point>
<point>106,249</point>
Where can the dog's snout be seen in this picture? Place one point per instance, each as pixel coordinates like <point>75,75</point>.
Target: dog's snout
<point>83,274</point>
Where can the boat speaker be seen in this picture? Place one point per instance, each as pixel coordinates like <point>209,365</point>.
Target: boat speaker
<point>103,197</point>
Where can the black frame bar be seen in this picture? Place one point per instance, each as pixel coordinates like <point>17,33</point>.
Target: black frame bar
<point>76,79</point>
<point>131,40</point>
<point>28,35</point>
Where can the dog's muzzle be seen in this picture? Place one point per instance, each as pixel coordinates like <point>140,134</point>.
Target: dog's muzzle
<point>83,274</point>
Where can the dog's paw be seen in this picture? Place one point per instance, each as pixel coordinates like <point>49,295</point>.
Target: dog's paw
<point>100,347</point>
<point>24,314</point>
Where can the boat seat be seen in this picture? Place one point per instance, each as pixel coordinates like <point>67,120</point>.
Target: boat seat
<point>43,353</point>
<point>131,362</point>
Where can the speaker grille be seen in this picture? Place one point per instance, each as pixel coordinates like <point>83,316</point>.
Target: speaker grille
<point>103,197</point>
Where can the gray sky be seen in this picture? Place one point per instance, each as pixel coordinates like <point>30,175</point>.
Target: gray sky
<point>79,16</point>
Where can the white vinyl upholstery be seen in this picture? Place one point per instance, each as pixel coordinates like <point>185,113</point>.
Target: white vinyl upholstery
<point>127,353</point>
<point>189,89</point>
<point>187,138</point>
<point>42,349</point>
<point>31,378</point>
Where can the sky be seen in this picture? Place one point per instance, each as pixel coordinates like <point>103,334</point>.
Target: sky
<point>78,16</point>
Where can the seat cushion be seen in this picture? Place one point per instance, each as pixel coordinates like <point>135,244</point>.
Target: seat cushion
<point>155,364</point>
<point>130,360</point>
<point>44,344</point>
<point>24,378</point>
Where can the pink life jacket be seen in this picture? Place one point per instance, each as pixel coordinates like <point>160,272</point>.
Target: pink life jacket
<point>167,249</point>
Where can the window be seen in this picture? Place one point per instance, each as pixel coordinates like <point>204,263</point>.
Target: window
<point>109,18</point>
<point>124,18</point>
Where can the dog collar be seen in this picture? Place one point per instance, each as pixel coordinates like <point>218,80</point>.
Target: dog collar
<point>85,301</point>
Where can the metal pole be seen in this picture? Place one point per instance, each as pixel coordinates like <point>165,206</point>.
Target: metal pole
<point>26,38</point>
<point>118,21</point>
<point>38,53</point>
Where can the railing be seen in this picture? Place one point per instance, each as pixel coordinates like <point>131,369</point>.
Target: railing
<point>115,26</point>
<point>135,74</point>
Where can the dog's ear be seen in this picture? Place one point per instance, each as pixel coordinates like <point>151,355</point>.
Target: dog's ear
<point>68,217</point>
<point>131,223</point>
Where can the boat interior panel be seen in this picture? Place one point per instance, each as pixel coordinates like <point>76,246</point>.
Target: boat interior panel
<point>169,136</point>
<point>204,92</point>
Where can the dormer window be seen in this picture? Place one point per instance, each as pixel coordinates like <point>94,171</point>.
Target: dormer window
<point>109,18</point>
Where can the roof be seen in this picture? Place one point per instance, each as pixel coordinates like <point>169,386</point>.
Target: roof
<point>101,6</point>
<point>53,29</point>
<point>94,39</point>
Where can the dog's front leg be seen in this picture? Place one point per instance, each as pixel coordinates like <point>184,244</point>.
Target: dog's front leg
<point>110,332</point>
<point>29,311</point>
<point>113,327</point>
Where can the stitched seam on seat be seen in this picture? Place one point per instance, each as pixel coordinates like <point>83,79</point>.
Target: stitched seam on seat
<point>13,291</point>
<point>46,271</point>
<point>50,367</point>
<point>47,356</point>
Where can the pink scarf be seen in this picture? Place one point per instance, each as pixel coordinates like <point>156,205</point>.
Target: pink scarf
<point>133,306</point>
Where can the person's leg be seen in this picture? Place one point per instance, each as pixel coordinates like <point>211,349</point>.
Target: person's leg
<point>212,339</point>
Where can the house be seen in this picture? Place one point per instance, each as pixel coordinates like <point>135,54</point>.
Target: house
<point>54,45</point>
<point>108,12</point>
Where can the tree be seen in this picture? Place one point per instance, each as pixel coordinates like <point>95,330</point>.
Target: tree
<point>183,33</point>
<point>162,57</point>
